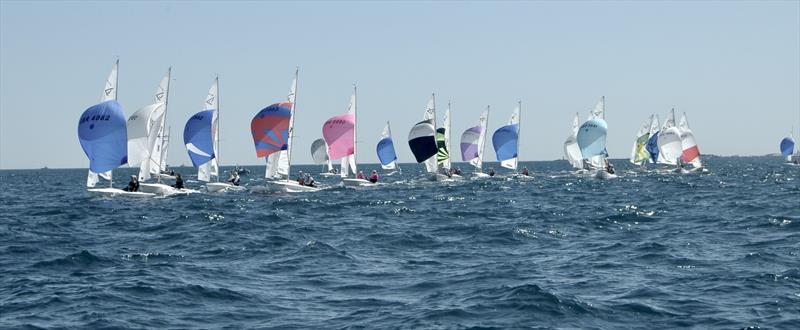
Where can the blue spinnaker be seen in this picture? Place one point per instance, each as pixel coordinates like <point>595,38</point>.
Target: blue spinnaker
<point>592,138</point>
<point>104,136</point>
<point>198,138</point>
<point>385,151</point>
<point>504,141</point>
<point>652,147</point>
<point>787,146</point>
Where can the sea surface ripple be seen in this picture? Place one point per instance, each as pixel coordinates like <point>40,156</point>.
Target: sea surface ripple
<point>644,251</point>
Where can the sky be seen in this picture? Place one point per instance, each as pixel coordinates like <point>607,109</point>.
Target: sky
<point>733,67</point>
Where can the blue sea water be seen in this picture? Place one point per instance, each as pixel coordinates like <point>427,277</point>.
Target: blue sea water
<point>644,251</point>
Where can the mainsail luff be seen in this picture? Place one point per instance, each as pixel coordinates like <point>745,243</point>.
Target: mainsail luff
<point>431,163</point>
<point>162,153</point>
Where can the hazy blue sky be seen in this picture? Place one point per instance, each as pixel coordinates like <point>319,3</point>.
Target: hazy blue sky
<point>734,67</point>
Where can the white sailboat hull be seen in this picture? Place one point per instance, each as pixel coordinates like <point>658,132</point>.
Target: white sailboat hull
<point>157,188</point>
<point>481,175</point>
<point>328,174</point>
<point>291,186</point>
<point>223,186</point>
<point>603,175</point>
<point>113,192</point>
<point>356,182</point>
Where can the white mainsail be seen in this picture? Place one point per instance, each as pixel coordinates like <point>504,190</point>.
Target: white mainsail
<point>349,162</point>
<point>572,152</point>
<point>430,114</point>
<point>446,125</point>
<point>669,142</point>
<point>211,169</point>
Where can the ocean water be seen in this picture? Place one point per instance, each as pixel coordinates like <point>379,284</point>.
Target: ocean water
<point>643,251</point>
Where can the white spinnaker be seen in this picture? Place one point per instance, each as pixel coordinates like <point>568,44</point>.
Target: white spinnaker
<point>211,169</point>
<point>599,111</point>
<point>109,93</point>
<point>143,126</point>
<point>572,152</point>
<point>430,113</point>
<point>387,134</point>
<point>512,163</point>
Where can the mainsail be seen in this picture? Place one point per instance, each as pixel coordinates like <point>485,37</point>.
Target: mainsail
<point>385,149</point>
<point>443,141</point>
<point>145,127</point>
<point>690,154</point>
<point>102,133</point>
<point>506,141</point>
<point>473,141</point>
<point>669,142</point>
<point>200,135</point>
<point>278,163</point>
<point>571,150</point>
<point>421,138</point>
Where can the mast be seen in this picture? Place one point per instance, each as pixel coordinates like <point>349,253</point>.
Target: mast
<point>355,125</point>
<point>519,132</point>
<point>293,99</point>
<point>163,122</point>
<point>447,131</point>
<point>433,97</point>
<point>483,139</point>
<point>216,134</point>
<point>116,86</point>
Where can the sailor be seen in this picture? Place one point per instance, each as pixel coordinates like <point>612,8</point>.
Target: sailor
<point>309,180</point>
<point>361,175</point>
<point>457,171</point>
<point>234,178</point>
<point>133,185</point>
<point>491,171</point>
<point>178,181</point>
<point>374,176</point>
<point>301,179</point>
<point>525,171</point>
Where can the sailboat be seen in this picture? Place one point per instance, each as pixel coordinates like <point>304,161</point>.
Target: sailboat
<point>473,142</point>
<point>422,141</point>
<point>145,128</point>
<point>385,150</point>
<point>506,141</point>
<point>571,150</point>
<point>690,152</point>
<point>273,130</point>
<point>591,139</point>
<point>639,154</point>
<point>201,137</point>
<point>319,153</point>
<point>787,147</point>
<point>340,135</point>
<point>670,148</point>
<point>104,138</point>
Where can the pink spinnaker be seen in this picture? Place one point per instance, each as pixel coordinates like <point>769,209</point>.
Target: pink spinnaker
<point>338,134</point>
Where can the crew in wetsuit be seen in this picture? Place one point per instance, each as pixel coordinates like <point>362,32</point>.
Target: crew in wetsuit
<point>178,181</point>
<point>301,178</point>
<point>374,176</point>
<point>234,178</point>
<point>309,180</point>
<point>133,185</point>
<point>361,175</point>
<point>491,171</point>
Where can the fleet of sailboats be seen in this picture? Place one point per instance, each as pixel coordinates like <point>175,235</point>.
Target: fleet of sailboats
<point>110,141</point>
